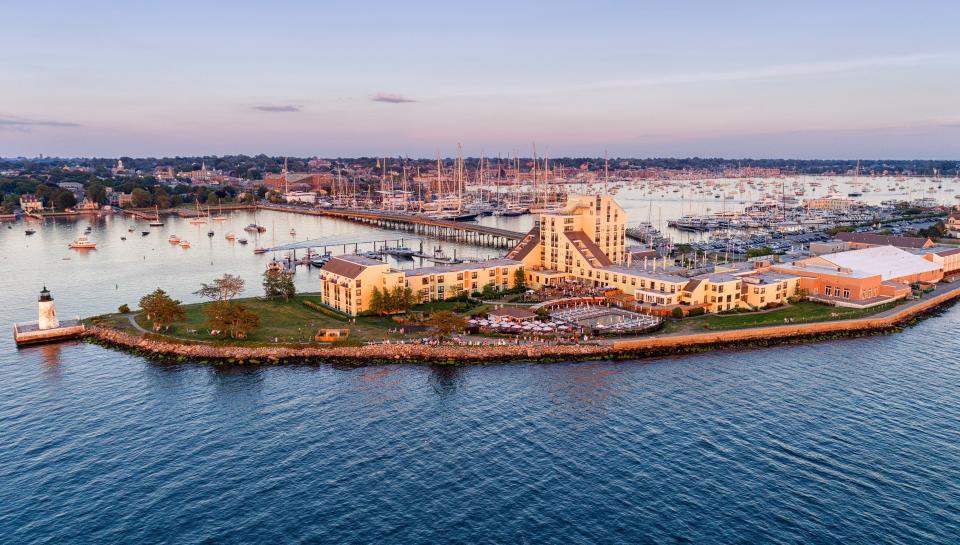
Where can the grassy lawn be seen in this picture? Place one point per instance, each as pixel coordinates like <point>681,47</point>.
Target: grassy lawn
<point>803,312</point>
<point>285,323</point>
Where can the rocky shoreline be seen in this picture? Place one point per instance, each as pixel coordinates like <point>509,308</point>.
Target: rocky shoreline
<point>644,347</point>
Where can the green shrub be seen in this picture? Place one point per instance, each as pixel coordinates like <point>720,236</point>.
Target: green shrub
<point>698,311</point>
<point>677,312</point>
<point>124,308</point>
<point>324,310</point>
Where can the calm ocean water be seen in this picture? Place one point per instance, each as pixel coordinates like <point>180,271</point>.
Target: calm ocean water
<point>854,441</point>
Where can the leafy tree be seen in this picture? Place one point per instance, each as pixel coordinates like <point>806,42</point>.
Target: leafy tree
<point>10,201</point>
<point>376,302</point>
<point>161,310</point>
<point>46,192</point>
<point>400,299</point>
<point>64,199</point>
<point>758,252</point>
<point>140,197</point>
<point>444,323</point>
<point>233,318</point>
<point>161,198</point>
<point>489,291</point>
<point>224,288</point>
<point>519,280</point>
<point>391,301</point>
<point>279,284</point>
<point>97,192</point>
<point>936,230</point>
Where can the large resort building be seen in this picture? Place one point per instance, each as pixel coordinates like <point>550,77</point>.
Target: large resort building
<point>584,243</point>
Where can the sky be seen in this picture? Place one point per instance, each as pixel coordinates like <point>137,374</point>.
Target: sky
<point>813,79</point>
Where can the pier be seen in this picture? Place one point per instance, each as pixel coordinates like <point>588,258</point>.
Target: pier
<point>468,233</point>
<point>344,243</point>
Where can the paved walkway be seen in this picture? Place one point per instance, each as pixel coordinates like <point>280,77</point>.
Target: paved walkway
<point>133,322</point>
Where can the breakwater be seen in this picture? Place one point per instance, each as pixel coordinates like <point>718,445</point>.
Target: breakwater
<point>154,345</point>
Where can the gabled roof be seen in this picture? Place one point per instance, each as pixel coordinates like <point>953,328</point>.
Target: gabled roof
<point>525,246</point>
<point>581,238</point>
<point>350,266</point>
<point>885,240</point>
<point>691,285</point>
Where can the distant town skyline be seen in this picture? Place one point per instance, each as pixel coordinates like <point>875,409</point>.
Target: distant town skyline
<point>668,79</point>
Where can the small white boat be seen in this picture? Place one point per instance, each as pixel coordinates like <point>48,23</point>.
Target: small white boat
<point>173,239</point>
<point>230,236</point>
<point>83,243</point>
<point>184,244</point>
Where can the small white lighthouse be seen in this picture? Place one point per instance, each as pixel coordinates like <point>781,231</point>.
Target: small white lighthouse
<point>47,328</point>
<point>48,314</point>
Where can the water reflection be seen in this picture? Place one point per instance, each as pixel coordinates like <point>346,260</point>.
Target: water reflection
<point>445,379</point>
<point>50,356</point>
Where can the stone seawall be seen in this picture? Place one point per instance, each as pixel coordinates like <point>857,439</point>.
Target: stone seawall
<point>816,329</point>
<point>417,353</point>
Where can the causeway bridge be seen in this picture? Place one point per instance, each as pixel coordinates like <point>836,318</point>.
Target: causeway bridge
<point>469,233</point>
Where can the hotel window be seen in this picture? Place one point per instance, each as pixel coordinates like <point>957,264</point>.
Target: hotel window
<point>828,291</point>
<point>358,282</point>
<point>846,293</point>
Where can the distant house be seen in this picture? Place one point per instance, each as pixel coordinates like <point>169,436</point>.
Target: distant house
<point>953,224</point>
<point>30,203</point>
<point>74,187</point>
<point>164,174</point>
<point>117,198</point>
<point>869,240</point>
<point>307,197</point>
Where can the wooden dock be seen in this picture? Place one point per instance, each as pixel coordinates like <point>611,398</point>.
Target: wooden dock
<point>469,233</point>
